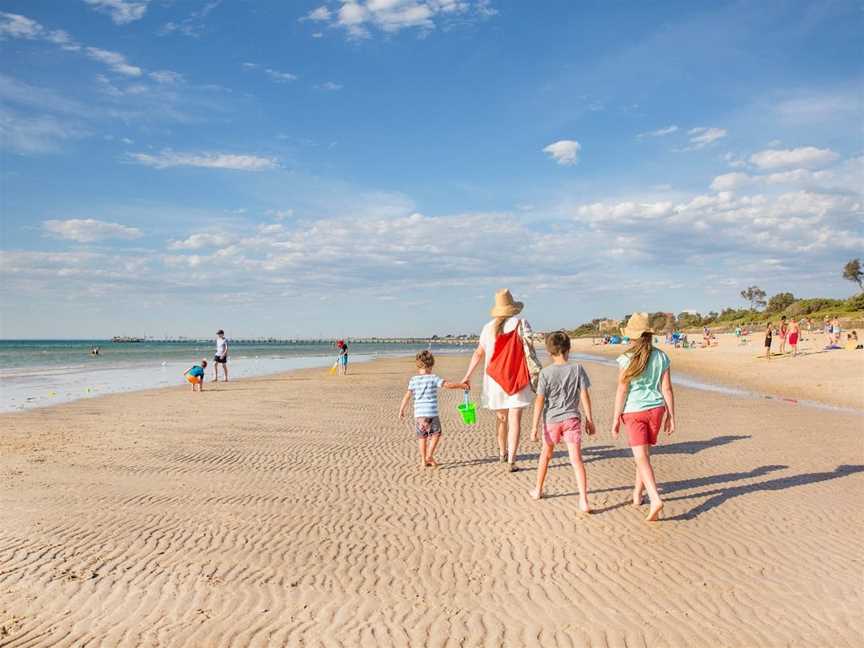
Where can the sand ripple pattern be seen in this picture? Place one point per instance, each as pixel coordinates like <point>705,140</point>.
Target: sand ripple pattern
<point>290,511</point>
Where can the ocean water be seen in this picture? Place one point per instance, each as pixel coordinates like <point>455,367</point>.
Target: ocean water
<point>36,373</point>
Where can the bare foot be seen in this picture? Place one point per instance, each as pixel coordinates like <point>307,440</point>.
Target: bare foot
<point>654,513</point>
<point>512,467</point>
<point>584,506</point>
<point>535,494</point>
<point>431,463</point>
<point>637,498</point>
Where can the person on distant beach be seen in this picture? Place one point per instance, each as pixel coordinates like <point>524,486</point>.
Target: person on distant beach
<point>508,407</point>
<point>835,331</point>
<point>561,389</point>
<point>643,396</point>
<point>781,333</point>
<point>195,375</point>
<point>794,333</point>
<point>221,357</point>
<point>343,357</point>
<point>769,334</point>
<point>423,388</point>
<point>826,329</point>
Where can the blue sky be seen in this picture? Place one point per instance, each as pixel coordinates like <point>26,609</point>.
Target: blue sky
<point>381,167</point>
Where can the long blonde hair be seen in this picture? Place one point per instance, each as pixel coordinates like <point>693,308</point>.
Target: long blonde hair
<point>640,353</point>
<point>499,325</point>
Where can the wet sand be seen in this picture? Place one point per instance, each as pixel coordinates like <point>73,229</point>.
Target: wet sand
<point>289,511</point>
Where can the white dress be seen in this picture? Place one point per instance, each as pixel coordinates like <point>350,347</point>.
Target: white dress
<point>494,397</point>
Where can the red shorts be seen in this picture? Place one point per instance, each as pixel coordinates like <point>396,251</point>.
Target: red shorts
<point>793,339</point>
<point>571,430</point>
<point>643,427</point>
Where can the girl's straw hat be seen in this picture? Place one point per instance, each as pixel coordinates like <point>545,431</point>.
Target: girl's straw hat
<point>638,324</point>
<point>504,305</point>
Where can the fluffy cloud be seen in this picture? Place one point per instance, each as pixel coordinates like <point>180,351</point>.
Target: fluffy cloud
<point>702,136</point>
<point>358,17</point>
<point>122,12</point>
<point>89,230</point>
<point>660,132</point>
<point>201,240</point>
<point>167,159</point>
<point>564,152</point>
<point>807,156</point>
<point>330,86</point>
<point>730,181</point>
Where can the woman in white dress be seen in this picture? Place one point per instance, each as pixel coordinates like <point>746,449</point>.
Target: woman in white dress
<point>508,408</point>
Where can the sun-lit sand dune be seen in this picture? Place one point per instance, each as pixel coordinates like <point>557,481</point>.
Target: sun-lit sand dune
<point>288,510</point>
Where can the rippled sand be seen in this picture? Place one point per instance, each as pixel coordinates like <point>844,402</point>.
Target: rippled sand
<point>290,511</point>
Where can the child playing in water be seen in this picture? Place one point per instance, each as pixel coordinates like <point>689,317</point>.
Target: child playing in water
<point>424,389</point>
<point>561,388</point>
<point>195,375</point>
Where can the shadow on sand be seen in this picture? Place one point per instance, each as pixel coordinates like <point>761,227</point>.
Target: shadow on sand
<point>722,495</point>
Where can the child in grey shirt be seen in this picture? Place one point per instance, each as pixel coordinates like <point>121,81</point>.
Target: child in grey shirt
<point>561,390</point>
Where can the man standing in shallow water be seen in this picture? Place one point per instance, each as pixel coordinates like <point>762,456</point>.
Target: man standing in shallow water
<point>221,356</point>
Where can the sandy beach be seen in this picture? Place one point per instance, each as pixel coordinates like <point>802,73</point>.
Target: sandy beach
<point>289,511</point>
<point>834,377</point>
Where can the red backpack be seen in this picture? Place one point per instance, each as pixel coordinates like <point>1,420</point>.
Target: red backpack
<point>508,367</point>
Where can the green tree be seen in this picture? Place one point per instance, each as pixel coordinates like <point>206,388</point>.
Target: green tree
<point>755,295</point>
<point>780,302</point>
<point>852,272</point>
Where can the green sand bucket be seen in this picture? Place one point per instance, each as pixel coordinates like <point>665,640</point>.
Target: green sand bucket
<point>468,411</point>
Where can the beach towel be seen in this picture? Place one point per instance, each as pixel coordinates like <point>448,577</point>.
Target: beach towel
<point>508,367</point>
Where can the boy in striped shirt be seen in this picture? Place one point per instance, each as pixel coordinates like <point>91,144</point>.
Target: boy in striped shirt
<point>424,389</point>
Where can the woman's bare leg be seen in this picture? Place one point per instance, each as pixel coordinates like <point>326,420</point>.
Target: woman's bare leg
<point>421,445</point>
<point>642,454</point>
<point>501,431</point>
<point>514,429</point>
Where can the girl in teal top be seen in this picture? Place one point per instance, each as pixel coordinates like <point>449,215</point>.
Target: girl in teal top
<point>644,397</point>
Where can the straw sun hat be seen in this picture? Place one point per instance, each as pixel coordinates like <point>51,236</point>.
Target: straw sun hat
<point>504,305</point>
<point>638,324</point>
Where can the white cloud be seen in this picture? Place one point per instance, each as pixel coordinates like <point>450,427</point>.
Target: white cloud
<point>201,240</point>
<point>330,86</point>
<point>703,136</point>
<point>167,159</point>
<point>193,25</point>
<point>731,181</point>
<point>564,152</point>
<point>807,156</point>
<point>660,132</point>
<point>321,14</point>
<point>122,12</point>
<point>280,77</point>
<point>114,60</point>
<point>35,134</point>
<point>359,17</point>
<point>166,76</point>
<point>17,26</point>
<point>818,108</point>
<point>89,230</point>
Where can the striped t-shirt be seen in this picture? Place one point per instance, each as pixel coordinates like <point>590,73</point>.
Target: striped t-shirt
<point>424,388</point>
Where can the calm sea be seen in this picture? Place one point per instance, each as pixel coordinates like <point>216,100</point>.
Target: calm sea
<point>36,373</point>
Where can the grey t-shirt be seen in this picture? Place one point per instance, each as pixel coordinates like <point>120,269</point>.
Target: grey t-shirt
<point>560,385</point>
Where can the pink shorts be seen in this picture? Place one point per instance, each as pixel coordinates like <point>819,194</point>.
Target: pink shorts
<point>571,430</point>
<point>643,427</point>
